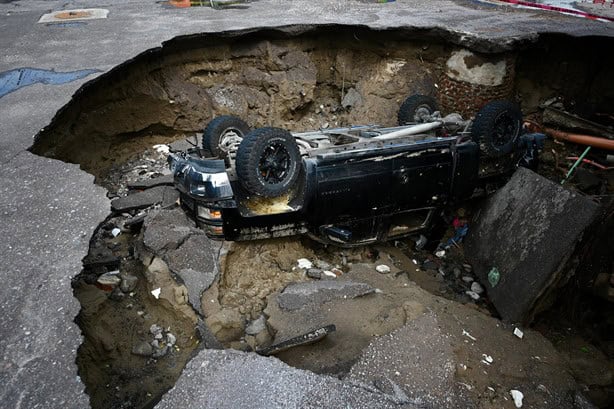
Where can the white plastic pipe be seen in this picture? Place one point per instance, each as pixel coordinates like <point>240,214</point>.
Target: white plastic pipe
<point>416,129</point>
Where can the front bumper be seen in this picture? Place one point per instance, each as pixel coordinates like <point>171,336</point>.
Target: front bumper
<point>204,189</point>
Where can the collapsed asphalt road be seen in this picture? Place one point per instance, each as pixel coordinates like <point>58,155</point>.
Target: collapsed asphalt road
<point>50,209</point>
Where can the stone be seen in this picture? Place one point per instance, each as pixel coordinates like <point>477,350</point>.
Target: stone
<point>528,230</point>
<point>155,329</point>
<point>297,295</point>
<point>382,269</point>
<point>322,265</point>
<point>351,99</point>
<point>474,296</point>
<point>163,195</point>
<point>477,288</point>
<point>160,352</point>
<point>314,273</point>
<point>256,326</point>
<point>457,272</point>
<point>142,349</point>
<point>128,283</point>
<point>171,339</point>
<point>196,283</point>
<point>468,279</point>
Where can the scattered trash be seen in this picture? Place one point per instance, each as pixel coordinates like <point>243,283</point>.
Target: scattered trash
<point>108,281</point>
<point>440,253</point>
<point>468,335</point>
<point>414,261</point>
<point>461,228</point>
<point>162,149</point>
<point>518,333</point>
<point>305,339</point>
<point>487,359</point>
<point>475,296</point>
<point>304,263</point>
<point>575,165</point>
<point>493,277</point>
<point>156,293</point>
<point>517,396</point>
<point>477,288</point>
<point>329,274</point>
<point>382,269</point>
<point>116,232</point>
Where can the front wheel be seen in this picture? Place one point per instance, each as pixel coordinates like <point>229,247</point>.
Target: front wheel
<point>497,128</point>
<point>224,133</point>
<point>268,162</point>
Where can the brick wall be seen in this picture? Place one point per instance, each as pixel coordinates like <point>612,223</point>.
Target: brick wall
<point>466,98</point>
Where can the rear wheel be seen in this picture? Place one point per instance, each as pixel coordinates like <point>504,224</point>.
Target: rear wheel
<point>223,134</point>
<point>497,128</point>
<point>416,109</point>
<point>268,162</point>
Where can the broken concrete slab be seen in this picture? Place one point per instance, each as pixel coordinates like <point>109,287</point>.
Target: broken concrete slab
<point>421,358</point>
<point>297,295</point>
<point>166,230</point>
<point>163,195</point>
<point>233,379</point>
<point>197,252</point>
<point>450,356</point>
<point>165,180</point>
<point>528,230</point>
<point>196,282</point>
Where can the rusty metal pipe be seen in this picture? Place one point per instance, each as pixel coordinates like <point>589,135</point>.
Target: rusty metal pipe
<point>588,140</point>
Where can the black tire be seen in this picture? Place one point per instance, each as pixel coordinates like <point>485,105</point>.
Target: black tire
<point>497,128</point>
<point>416,108</point>
<point>220,128</point>
<point>268,162</point>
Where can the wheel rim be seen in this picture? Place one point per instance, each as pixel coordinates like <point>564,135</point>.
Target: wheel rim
<point>421,113</point>
<point>274,164</point>
<point>229,139</point>
<point>505,130</point>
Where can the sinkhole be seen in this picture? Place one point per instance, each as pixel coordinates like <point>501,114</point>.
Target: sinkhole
<point>136,342</point>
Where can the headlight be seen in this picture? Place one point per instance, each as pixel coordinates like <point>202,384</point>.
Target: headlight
<point>209,214</point>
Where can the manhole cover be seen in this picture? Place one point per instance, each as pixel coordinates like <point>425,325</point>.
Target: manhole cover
<point>73,14</point>
<point>77,14</point>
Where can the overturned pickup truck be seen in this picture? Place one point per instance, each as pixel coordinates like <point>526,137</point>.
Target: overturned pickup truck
<point>347,186</point>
